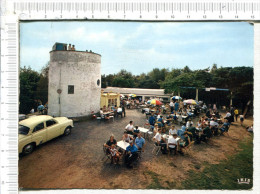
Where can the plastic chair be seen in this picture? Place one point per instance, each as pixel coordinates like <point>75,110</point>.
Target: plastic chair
<point>107,155</point>
<point>156,149</point>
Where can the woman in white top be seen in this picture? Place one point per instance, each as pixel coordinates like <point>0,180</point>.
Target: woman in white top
<point>126,137</point>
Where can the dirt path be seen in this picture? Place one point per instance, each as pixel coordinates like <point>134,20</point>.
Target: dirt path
<point>75,161</point>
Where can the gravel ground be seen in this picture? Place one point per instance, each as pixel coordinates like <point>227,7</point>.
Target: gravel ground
<point>76,161</point>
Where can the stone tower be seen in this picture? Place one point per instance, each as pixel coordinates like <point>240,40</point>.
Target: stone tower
<point>74,82</point>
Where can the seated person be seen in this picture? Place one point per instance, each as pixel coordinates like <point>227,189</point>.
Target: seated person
<point>185,142</point>
<point>207,131</point>
<point>136,131</point>
<point>180,132</point>
<point>175,118</point>
<point>159,141</point>
<point>196,137</point>
<point>115,154</point>
<point>172,130</point>
<point>225,126</point>
<point>152,121</point>
<point>189,123</point>
<point>180,118</point>
<point>140,142</point>
<point>192,129</point>
<point>101,112</point>
<point>109,143</point>
<point>172,143</point>
<point>120,111</point>
<point>127,138</point>
<point>131,154</point>
<point>156,128</point>
<point>130,128</point>
<point>160,121</point>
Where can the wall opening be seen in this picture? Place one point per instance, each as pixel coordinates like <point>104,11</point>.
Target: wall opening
<point>70,89</point>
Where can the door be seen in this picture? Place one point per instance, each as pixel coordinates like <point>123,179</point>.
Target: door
<point>39,134</point>
<point>52,129</point>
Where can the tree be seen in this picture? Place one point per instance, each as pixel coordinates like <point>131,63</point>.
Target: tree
<point>28,85</point>
<point>42,85</point>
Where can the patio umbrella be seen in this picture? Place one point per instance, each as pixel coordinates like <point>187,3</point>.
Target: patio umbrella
<point>132,95</point>
<point>191,101</point>
<point>155,102</point>
<point>176,98</point>
<point>122,96</point>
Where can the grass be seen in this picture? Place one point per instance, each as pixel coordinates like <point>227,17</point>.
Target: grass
<point>222,176</point>
<point>225,174</point>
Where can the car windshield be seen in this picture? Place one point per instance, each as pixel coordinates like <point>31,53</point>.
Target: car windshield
<point>23,130</point>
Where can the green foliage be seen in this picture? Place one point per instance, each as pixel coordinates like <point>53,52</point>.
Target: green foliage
<point>225,174</point>
<point>28,85</point>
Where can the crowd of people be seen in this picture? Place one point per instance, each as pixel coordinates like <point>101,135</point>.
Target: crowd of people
<point>174,128</point>
<point>136,145</point>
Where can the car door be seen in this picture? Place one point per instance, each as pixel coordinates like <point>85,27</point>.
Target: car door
<point>52,128</point>
<point>39,134</point>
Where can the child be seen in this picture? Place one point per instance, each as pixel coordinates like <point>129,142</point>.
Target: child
<point>115,154</point>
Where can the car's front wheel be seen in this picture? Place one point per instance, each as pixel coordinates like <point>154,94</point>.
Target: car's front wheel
<point>28,149</point>
<point>67,131</point>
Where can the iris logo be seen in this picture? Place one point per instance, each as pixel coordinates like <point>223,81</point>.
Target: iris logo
<point>243,181</point>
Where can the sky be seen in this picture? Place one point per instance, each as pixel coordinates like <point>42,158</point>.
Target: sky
<point>140,47</point>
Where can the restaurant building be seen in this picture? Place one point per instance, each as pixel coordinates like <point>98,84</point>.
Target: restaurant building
<point>141,93</point>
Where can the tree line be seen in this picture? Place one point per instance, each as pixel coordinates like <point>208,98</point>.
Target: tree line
<point>239,81</point>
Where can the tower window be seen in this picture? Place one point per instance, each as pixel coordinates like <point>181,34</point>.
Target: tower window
<point>70,89</point>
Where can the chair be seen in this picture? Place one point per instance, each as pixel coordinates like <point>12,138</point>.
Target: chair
<point>107,155</point>
<point>156,149</point>
<point>149,135</point>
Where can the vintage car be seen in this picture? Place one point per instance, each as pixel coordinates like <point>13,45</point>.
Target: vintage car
<point>39,129</point>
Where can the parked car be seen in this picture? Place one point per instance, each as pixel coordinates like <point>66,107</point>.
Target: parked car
<point>40,129</point>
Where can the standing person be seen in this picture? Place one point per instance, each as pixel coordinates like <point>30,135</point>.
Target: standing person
<point>241,119</point>
<point>130,128</point>
<point>176,106</point>
<point>236,113</point>
<point>172,106</point>
<point>131,154</point>
<point>123,107</point>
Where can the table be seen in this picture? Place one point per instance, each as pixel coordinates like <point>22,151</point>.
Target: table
<point>143,130</point>
<point>122,144</point>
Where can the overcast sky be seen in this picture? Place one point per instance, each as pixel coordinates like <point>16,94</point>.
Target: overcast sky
<point>141,46</point>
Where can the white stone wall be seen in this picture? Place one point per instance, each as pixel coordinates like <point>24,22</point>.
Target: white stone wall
<point>81,69</point>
